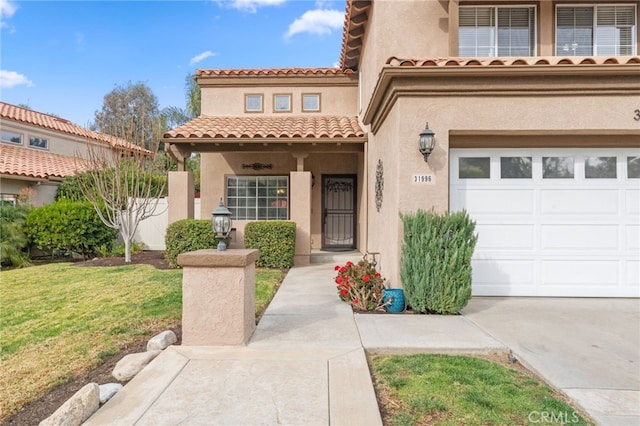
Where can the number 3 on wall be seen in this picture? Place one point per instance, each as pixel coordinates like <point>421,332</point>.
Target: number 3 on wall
<point>637,116</point>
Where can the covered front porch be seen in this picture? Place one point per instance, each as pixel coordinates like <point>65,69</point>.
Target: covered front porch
<point>307,170</point>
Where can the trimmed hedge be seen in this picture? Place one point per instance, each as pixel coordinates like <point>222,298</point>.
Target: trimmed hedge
<point>435,266</point>
<point>68,225</point>
<point>276,241</point>
<point>188,235</point>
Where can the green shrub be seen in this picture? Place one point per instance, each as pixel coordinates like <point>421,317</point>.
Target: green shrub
<point>435,266</point>
<point>188,235</point>
<point>70,226</point>
<point>69,188</point>
<point>13,239</point>
<point>118,249</point>
<point>276,241</point>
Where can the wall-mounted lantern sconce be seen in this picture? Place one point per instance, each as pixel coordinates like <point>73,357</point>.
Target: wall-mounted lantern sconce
<point>427,142</point>
<point>221,225</point>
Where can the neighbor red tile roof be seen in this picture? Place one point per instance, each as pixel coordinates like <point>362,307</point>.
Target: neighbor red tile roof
<point>47,121</point>
<point>281,72</point>
<point>512,62</point>
<point>332,127</point>
<point>33,163</point>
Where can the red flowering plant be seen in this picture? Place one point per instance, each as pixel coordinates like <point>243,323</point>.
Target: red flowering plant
<point>360,285</point>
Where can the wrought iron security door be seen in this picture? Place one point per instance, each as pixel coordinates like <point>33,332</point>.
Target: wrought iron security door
<point>338,212</point>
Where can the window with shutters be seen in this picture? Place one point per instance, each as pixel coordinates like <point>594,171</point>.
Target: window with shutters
<point>497,31</point>
<point>596,30</point>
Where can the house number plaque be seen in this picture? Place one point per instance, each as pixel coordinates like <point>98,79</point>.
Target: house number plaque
<point>424,179</point>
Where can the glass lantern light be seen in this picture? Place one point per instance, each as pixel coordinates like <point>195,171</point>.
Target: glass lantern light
<point>426,142</point>
<point>221,225</point>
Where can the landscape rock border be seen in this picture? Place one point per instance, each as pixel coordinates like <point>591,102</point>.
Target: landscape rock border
<point>84,403</point>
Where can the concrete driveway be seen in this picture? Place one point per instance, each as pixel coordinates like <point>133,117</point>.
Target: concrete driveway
<point>587,348</point>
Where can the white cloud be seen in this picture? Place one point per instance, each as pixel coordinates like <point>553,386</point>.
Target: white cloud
<point>7,9</point>
<point>12,78</point>
<point>250,5</point>
<point>201,57</point>
<point>317,22</point>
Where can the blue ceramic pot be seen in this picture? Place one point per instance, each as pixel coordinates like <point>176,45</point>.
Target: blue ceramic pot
<point>395,297</point>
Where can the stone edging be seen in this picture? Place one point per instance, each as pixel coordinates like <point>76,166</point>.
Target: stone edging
<point>84,403</point>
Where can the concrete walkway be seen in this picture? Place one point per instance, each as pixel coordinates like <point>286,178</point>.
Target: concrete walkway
<point>306,363</point>
<point>303,365</point>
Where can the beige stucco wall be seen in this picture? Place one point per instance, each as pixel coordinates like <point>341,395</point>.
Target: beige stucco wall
<point>44,193</point>
<point>405,29</point>
<point>215,166</point>
<point>420,29</point>
<point>229,101</point>
<point>396,143</point>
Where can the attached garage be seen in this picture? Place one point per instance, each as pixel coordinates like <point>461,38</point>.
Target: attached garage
<point>551,221</point>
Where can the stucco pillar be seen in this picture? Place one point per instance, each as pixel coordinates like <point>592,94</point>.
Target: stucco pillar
<point>218,297</point>
<point>300,183</point>
<point>546,29</point>
<point>181,196</point>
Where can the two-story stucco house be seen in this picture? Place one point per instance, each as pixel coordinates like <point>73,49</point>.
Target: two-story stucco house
<point>535,106</point>
<point>37,151</point>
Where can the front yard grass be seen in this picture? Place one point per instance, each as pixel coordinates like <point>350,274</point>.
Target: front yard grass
<point>428,389</point>
<point>58,320</point>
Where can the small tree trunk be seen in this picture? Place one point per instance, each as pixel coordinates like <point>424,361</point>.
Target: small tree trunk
<point>127,250</point>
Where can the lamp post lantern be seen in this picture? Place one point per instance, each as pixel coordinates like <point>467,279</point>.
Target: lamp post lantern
<point>221,225</point>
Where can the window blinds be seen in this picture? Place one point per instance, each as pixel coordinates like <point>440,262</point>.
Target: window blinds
<point>600,30</point>
<point>496,31</point>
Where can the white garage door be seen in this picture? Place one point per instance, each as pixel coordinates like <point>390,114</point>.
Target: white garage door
<point>551,222</point>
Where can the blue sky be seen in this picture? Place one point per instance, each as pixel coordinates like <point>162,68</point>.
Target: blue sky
<point>63,57</point>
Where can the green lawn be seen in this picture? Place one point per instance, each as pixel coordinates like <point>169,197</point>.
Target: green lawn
<point>57,320</point>
<point>462,390</point>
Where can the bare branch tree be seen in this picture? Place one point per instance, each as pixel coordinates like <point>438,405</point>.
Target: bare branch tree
<point>122,180</point>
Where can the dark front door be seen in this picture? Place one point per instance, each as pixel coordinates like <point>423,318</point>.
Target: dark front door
<point>338,212</point>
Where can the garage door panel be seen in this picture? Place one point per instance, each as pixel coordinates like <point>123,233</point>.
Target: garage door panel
<point>632,235</point>
<point>633,202</point>
<point>501,236</point>
<point>496,202</point>
<point>633,275</point>
<point>579,237</point>
<point>578,202</point>
<point>517,272</point>
<point>580,273</point>
<point>538,236</point>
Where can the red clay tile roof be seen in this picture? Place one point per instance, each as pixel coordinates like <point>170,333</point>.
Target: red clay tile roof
<point>46,121</point>
<point>355,20</point>
<point>332,127</point>
<point>512,62</point>
<point>20,161</point>
<point>281,72</point>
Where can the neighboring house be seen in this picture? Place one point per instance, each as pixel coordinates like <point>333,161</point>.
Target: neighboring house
<point>37,151</point>
<point>535,107</point>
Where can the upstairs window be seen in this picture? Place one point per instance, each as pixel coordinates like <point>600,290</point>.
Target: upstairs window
<point>11,137</point>
<point>36,142</point>
<point>596,30</point>
<point>496,31</point>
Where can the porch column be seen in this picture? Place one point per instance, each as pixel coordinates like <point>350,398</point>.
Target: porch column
<point>181,196</point>
<point>300,188</point>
